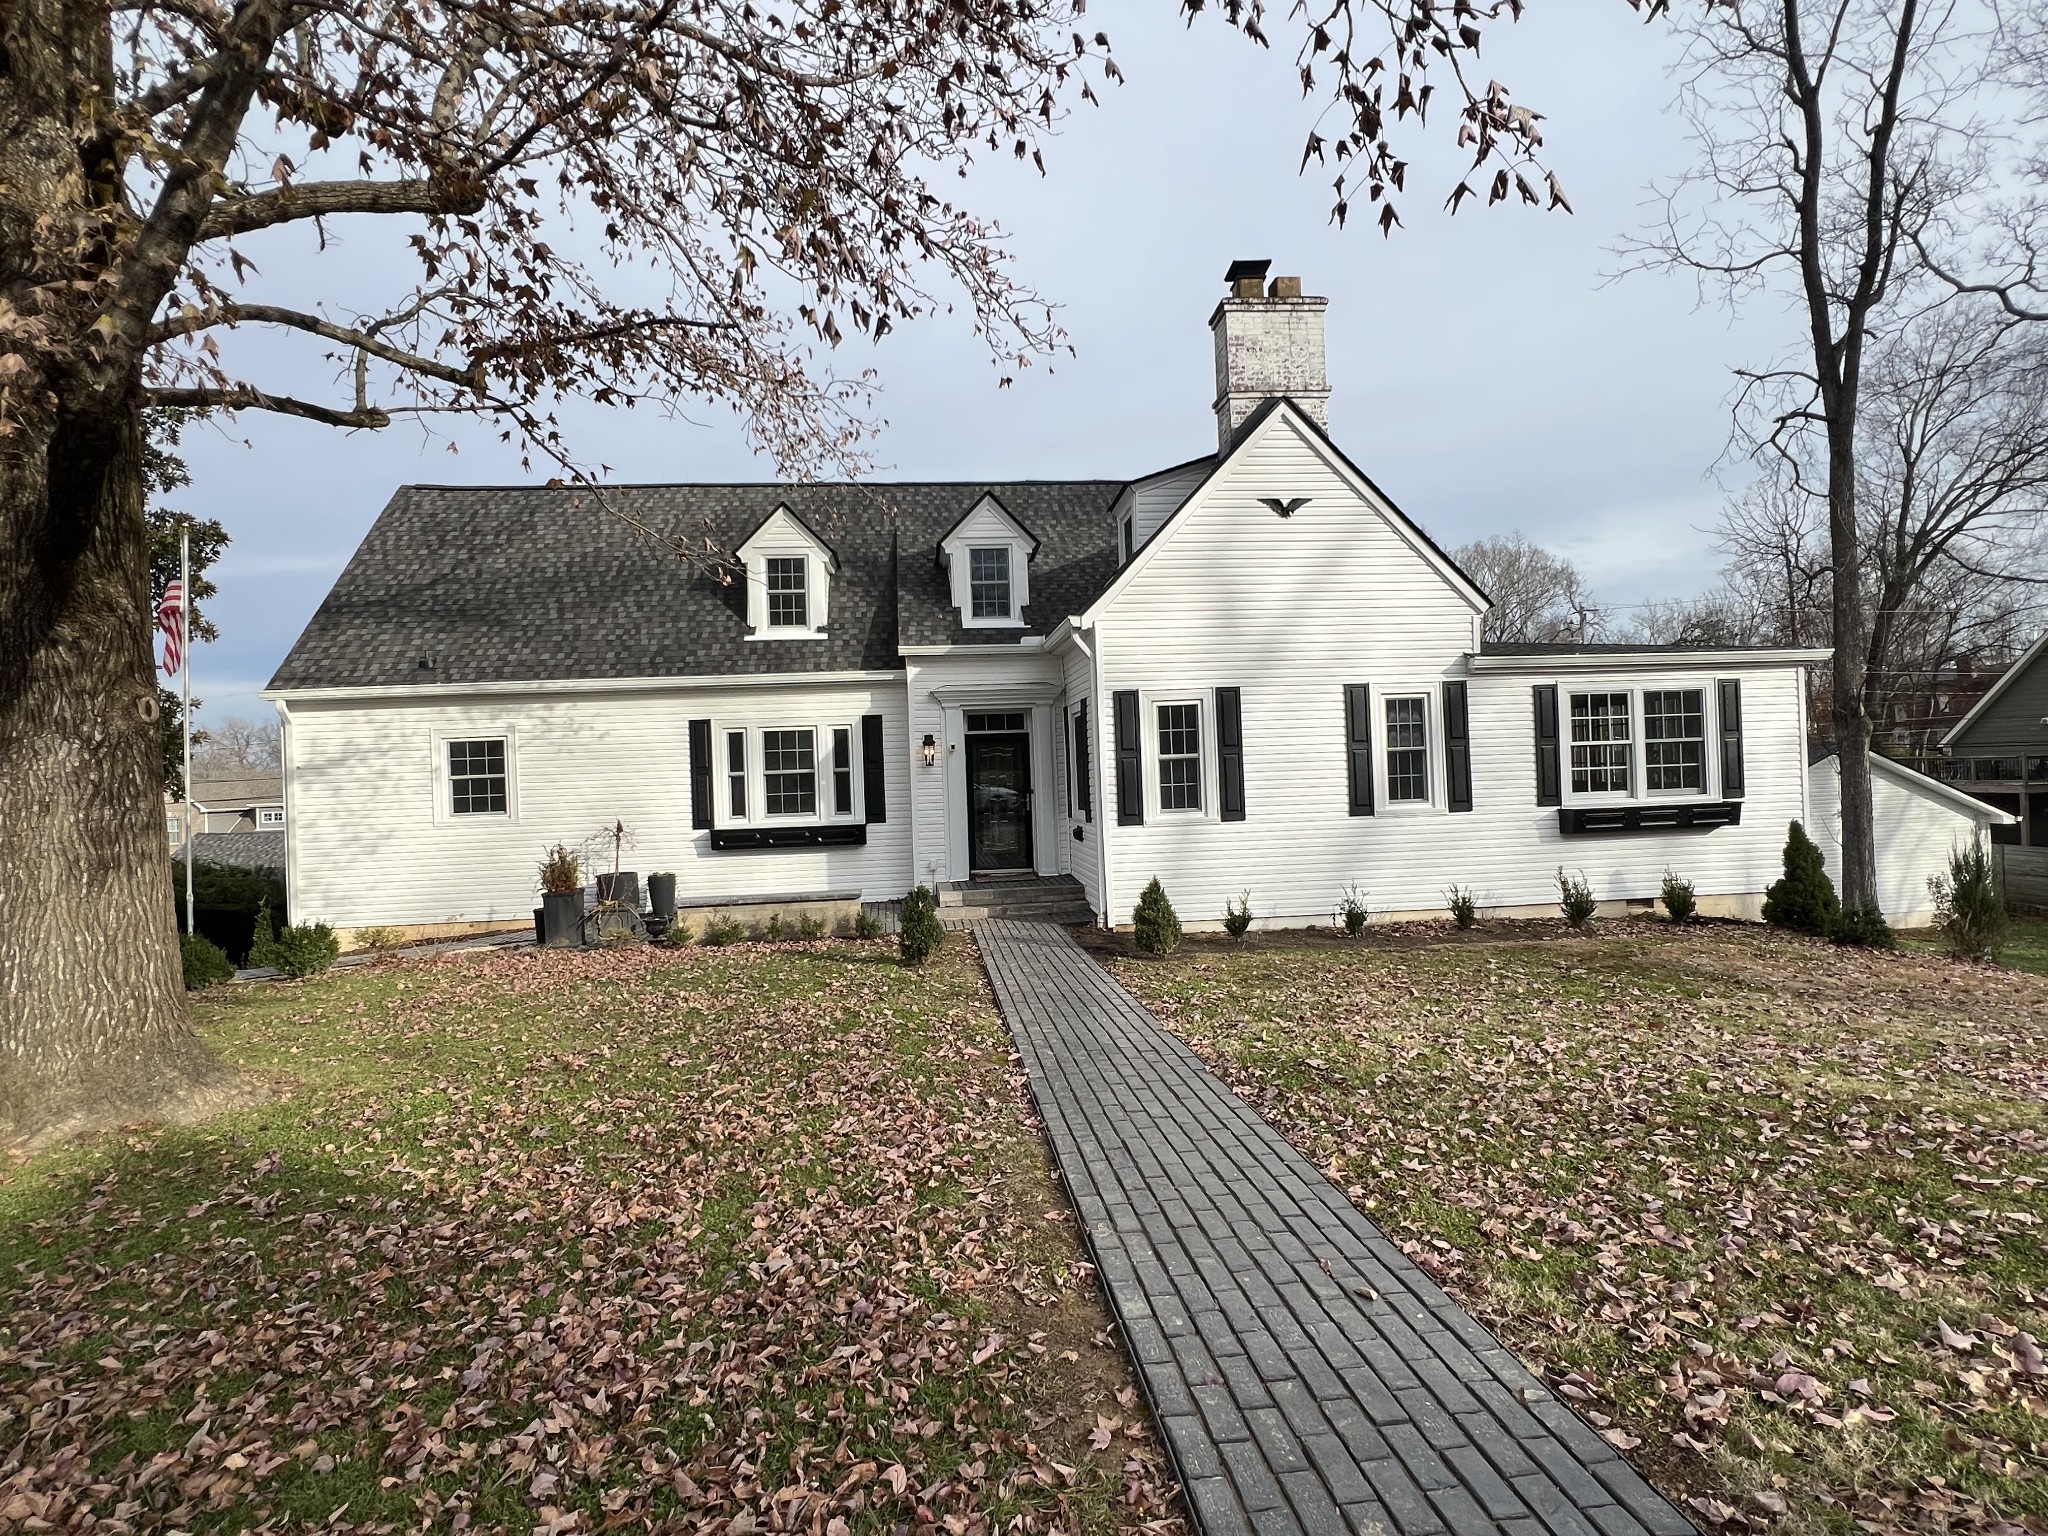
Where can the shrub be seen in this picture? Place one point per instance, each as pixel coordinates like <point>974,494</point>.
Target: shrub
<point>1154,925</point>
<point>561,870</point>
<point>263,943</point>
<point>1463,904</point>
<point>1862,928</point>
<point>1968,908</point>
<point>205,961</point>
<point>1803,899</point>
<point>1237,915</point>
<point>377,940</point>
<point>1678,898</point>
<point>922,936</point>
<point>1575,898</point>
<point>305,949</point>
<point>772,930</point>
<point>1352,909</point>
<point>867,925</point>
<point>226,898</point>
<point>810,926</point>
<point>723,928</point>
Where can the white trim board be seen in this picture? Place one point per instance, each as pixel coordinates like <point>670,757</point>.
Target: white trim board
<point>585,685</point>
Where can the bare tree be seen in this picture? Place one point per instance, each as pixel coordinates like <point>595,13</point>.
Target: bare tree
<point>239,745</point>
<point>1537,596</point>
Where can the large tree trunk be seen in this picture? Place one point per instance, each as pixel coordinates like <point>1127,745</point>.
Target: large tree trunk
<point>1851,669</point>
<point>94,1028</point>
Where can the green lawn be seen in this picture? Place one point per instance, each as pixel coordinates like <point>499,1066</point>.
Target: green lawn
<point>746,1239</point>
<point>2028,948</point>
<point>1770,1211</point>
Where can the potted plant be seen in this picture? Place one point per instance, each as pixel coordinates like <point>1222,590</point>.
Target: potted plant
<point>561,898</point>
<point>620,888</point>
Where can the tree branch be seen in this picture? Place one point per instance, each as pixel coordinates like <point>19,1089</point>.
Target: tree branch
<point>298,320</point>
<point>246,397</point>
<point>318,199</point>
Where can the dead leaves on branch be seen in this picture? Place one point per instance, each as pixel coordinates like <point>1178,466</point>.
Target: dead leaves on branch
<point>720,1244</point>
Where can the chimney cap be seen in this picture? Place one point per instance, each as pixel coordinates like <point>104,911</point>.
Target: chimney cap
<point>1241,271</point>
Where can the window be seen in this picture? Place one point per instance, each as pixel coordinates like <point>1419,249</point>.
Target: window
<point>269,816</point>
<point>842,770</point>
<point>789,773</point>
<point>1675,739</point>
<point>476,777</point>
<point>1012,722</point>
<point>1408,749</point>
<point>1083,773</point>
<point>736,773</point>
<point>787,608</point>
<point>1180,757</point>
<point>171,826</point>
<point>1128,550</point>
<point>1600,744</point>
<point>988,582</point>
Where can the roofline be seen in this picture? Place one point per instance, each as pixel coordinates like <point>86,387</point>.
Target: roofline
<point>1016,522</point>
<point>987,647</point>
<point>2027,658</point>
<point>1594,661</point>
<point>1915,779</point>
<point>689,683</point>
<point>782,509</point>
<point>762,485</point>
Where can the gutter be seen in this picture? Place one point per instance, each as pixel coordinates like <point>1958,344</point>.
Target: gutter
<point>1581,661</point>
<point>409,691</point>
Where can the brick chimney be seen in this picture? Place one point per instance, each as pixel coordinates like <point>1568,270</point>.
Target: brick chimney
<point>1269,341</point>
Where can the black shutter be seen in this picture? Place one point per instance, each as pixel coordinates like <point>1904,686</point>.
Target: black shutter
<point>1084,769</point>
<point>874,778</point>
<point>1732,787</point>
<point>1230,753</point>
<point>1130,782</point>
<point>1358,746</point>
<point>1549,776</point>
<point>700,773</point>
<point>1457,748</point>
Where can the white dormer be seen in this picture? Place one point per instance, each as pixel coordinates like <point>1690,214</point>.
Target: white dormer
<point>789,579</point>
<point>987,557</point>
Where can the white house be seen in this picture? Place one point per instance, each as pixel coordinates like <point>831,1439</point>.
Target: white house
<point>1247,672</point>
<point>1917,822</point>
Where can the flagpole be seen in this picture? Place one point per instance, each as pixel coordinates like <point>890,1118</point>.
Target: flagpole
<point>185,716</point>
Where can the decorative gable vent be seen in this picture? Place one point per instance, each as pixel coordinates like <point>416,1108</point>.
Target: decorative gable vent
<point>789,579</point>
<point>987,559</point>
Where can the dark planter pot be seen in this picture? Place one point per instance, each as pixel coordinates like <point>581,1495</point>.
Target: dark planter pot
<point>561,919</point>
<point>540,927</point>
<point>624,888</point>
<point>661,896</point>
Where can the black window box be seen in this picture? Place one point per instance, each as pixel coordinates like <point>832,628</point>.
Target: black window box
<point>1695,816</point>
<point>849,835</point>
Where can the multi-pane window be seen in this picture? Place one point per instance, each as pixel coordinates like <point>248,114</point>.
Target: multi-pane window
<point>988,582</point>
<point>789,773</point>
<point>269,816</point>
<point>736,773</point>
<point>1675,739</point>
<point>1180,757</point>
<point>1407,749</point>
<point>787,605</point>
<point>1600,743</point>
<point>1013,721</point>
<point>476,777</point>
<point>842,770</point>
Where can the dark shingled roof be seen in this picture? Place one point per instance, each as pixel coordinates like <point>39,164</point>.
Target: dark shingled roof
<point>535,583</point>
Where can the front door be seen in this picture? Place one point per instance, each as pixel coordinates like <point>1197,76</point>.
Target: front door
<point>999,801</point>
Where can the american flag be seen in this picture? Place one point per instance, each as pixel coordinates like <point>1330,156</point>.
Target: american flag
<point>170,618</point>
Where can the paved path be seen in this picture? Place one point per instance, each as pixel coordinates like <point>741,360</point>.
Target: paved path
<point>1308,1378</point>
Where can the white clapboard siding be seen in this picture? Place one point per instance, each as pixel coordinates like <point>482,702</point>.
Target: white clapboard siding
<point>1916,827</point>
<point>364,787</point>
<point>1153,500</point>
<point>1291,610</point>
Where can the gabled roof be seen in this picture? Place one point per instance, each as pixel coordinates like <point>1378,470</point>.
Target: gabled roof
<point>2006,678</point>
<point>995,504</point>
<point>782,514</point>
<point>1921,784</point>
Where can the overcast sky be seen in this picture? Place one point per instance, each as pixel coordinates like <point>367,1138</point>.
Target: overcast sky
<point>1486,371</point>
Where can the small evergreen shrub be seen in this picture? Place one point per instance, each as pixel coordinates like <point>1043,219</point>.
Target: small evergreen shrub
<point>810,926</point>
<point>1803,898</point>
<point>1463,904</point>
<point>1154,924</point>
<point>1237,915</point>
<point>304,949</point>
<point>1862,928</point>
<point>922,935</point>
<point>1575,898</point>
<point>1968,908</point>
<point>723,928</point>
<point>773,930</point>
<point>867,925</point>
<point>263,943</point>
<point>1352,909</point>
<point>1678,898</point>
<point>205,961</point>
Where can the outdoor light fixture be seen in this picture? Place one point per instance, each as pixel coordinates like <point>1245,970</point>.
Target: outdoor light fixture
<point>931,752</point>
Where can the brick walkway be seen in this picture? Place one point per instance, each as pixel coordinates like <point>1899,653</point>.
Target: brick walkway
<point>1307,1377</point>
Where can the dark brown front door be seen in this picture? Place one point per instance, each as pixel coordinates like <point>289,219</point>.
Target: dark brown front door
<point>999,802</point>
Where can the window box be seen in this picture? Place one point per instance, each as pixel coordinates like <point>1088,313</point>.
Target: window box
<point>1695,816</point>
<point>725,839</point>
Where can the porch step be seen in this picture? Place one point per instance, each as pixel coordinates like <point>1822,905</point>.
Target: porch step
<point>1052,899</point>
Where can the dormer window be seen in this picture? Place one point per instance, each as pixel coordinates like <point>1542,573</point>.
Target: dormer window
<point>988,580</point>
<point>787,582</point>
<point>789,574</point>
<point>987,560</point>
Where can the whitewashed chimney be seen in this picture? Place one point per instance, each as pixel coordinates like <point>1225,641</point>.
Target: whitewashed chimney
<point>1269,341</point>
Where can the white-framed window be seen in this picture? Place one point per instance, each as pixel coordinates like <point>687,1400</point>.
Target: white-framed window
<point>736,774</point>
<point>269,816</point>
<point>171,826</point>
<point>1179,754</point>
<point>479,776</point>
<point>1407,749</point>
<point>1675,741</point>
<point>1601,743</point>
<point>988,581</point>
<point>788,592</point>
<point>842,770</point>
<point>789,772</point>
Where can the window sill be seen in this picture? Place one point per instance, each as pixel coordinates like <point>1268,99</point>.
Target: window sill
<point>834,835</point>
<point>787,634</point>
<point>991,623</point>
<point>1656,816</point>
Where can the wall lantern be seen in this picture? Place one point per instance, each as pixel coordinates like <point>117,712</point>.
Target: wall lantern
<point>930,749</point>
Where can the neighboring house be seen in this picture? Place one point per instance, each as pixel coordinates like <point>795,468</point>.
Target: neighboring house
<point>1916,821</point>
<point>238,821</point>
<point>1999,750</point>
<point>1247,672</point>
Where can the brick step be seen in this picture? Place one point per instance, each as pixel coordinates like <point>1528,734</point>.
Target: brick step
<point>1022,909</point>
<point>990,892</point>
<point>967,917</point>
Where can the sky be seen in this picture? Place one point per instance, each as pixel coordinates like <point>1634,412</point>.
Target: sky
<point>1489,371</point>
